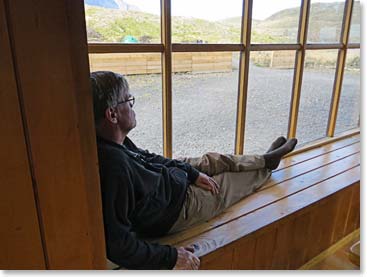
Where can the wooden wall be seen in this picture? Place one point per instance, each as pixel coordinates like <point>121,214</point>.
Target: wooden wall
<point>147,63</point>
<point>20,237</point>
<point>50,197</point>
<point>294,240</point>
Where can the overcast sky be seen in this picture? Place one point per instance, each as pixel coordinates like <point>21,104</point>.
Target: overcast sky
<point>219,9</point>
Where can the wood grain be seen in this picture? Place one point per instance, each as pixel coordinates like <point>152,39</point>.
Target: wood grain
<point>266,197</point>
<point>243,256</point>
<point>20,236</point>
<point>218,260</point>
<point>311,164</point>
<point>264,250</point>
<point>313,153</point>
<point>227,233</point>
<point>53,77</point>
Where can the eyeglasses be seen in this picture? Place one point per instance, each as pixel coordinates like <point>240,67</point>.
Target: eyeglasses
<point>130,99</point>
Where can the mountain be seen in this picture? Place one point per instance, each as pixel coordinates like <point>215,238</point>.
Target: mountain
<point>111,4</point>
<point>108,4</point>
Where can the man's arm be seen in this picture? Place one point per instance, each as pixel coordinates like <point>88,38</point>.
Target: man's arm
<point>192,173</point>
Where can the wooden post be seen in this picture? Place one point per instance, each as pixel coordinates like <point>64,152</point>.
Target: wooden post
<point>20,236</point>
<point>49,44</point>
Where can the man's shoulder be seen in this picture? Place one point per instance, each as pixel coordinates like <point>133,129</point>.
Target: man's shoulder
<point>108,153</point>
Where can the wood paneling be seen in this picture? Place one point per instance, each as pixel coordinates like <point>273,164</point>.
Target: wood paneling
<point>218,260</point>
<point>20,238</point>
<point>146,63</point>
<point>50,50</point>
<point>264,250</point>
<point>85,128</point>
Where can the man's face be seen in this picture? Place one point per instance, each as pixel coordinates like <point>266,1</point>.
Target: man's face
<point>125,113</point>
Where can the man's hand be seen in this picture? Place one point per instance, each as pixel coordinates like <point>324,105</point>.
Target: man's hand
<point>207,183</point>
<point>186,259</point>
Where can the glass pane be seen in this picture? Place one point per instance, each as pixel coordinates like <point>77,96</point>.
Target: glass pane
<point>128,21</point>
<point>317,86</point>
<point>204,102</point>
<point>355,28</point>
<point>325,21</point>
<point>143,72</point>
<point>206,21</point>
<point>350,101</point>
<point>268,100</point>
<point>275,21</point>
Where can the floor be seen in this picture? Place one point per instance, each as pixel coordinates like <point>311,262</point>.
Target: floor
<point>338,260</point>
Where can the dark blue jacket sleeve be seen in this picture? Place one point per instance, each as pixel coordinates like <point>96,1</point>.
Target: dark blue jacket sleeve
<point>192,173</point>
<point>123,248</point>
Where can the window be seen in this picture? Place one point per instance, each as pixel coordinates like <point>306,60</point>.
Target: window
<point>192,23</point>
<point>208,80</point>
<point>204,90</point>
<point>275,21</point>
<point>127,21</point>
<point>325,21</point>
<point>349,105</point>
<point>268,100</point>
<point>317,88</point>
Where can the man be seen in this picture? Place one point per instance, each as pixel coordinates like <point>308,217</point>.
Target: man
<point>148,195</point>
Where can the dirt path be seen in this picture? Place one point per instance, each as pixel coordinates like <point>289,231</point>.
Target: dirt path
<point>204,109</point>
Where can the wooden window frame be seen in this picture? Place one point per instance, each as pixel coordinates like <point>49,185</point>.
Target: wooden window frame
<point>245,47</point>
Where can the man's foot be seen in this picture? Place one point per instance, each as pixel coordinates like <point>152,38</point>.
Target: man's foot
<point>277,143</point>
<point>272,158</point>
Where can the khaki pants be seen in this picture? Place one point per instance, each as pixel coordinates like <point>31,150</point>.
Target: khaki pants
<point>237,176</point>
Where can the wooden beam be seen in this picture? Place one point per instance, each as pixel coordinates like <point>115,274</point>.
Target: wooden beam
<point>124,48</point>
<point>274,47</point>
<point>178,47</point>
<point>166,77</point>
<point>53,81</point>
<point>243,76</point>
<point>20,234</point>
<point>320,46</point>
<point>354,45</point>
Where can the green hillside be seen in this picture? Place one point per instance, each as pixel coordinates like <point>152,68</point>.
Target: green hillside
<point>109,25</point>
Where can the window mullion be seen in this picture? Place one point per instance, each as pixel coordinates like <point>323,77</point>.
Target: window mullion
<point>166,77</point>
<point>344,36</point>
<point>243,76</point>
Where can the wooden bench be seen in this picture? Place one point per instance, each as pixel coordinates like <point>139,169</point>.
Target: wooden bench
<point>310,203</point>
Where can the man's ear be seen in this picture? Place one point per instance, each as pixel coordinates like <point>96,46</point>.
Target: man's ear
<point>111,115</point>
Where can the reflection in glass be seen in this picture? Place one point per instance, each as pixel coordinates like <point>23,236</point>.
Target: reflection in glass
<point>128,21</point>
<point>275,21</point>
<point>317,86</point>
<point>349,103</point>
<point>204,103</point>
<point>325,21</point>
<point>143,74</point>
<point>268,100</point>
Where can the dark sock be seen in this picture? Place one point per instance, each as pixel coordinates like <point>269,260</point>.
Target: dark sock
<point>277,143</point>
<point>272,158</point>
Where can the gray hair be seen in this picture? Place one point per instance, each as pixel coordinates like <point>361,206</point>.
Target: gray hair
<point>107,87</point>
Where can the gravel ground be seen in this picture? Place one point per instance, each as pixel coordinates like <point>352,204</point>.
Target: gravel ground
<point>204,109</point>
